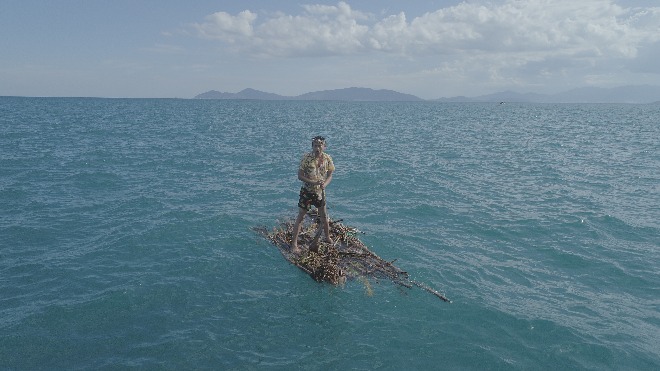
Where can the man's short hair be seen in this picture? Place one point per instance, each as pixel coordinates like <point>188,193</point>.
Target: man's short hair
<point>318,138</point>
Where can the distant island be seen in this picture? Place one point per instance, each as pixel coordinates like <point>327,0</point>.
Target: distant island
<point>348,94</point>
<point>638,94</point>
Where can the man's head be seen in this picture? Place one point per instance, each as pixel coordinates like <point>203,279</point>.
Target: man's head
<point>318,139</point>
<point>318,144</point>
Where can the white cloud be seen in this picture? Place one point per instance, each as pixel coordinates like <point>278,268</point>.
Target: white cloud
<point>597,27</point>
<point>226,27</point>
<point>494,42</point>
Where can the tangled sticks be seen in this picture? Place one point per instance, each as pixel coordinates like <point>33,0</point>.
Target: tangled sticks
<point>346,258</point>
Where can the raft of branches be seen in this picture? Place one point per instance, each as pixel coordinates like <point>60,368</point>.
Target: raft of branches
<point>346,258</point>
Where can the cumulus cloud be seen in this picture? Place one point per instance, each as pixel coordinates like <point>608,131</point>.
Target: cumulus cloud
<point>226,27</point>
<point>322,30</point>
<point>595,27</point>
<point>540,37</point>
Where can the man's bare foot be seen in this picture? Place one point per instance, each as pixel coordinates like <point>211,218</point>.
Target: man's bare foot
<point>295,249</point>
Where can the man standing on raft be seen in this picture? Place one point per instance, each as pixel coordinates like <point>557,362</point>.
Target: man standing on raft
<point>315,172</point>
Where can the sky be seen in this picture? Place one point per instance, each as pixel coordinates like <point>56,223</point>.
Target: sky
<point>431,49</point>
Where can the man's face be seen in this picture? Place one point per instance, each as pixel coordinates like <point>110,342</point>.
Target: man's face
<point>318,147</point>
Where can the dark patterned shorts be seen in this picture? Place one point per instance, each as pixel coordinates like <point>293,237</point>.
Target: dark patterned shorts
<point>309,199</point>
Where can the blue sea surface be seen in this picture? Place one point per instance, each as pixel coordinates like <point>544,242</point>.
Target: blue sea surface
<point>126,235</point>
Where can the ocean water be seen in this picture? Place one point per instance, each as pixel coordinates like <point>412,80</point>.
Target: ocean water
<point>126,241</point>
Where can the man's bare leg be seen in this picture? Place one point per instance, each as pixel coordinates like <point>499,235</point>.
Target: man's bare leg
<point>296,230</point>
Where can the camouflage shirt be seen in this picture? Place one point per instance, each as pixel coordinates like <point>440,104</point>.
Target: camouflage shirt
<point>313,170</point>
